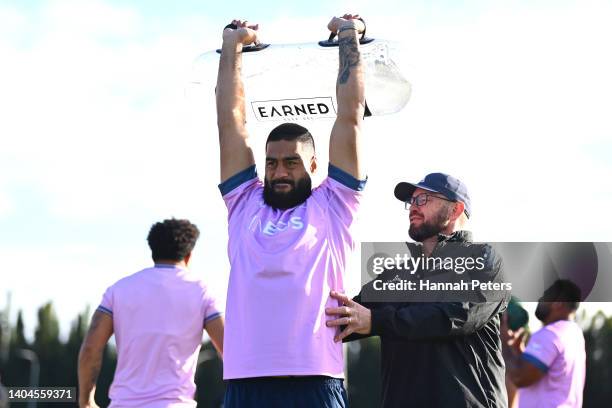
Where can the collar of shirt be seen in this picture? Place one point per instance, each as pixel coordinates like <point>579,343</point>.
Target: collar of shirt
<point>457,236</point>
<point>167,266</point>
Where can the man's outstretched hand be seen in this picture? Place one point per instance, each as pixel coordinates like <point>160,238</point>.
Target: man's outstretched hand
<point>245,33</point>
<point>355,317</point>
<point>347,20</point>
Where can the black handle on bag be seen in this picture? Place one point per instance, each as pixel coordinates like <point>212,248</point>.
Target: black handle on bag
<point>248,48</point>
<point>331,43</point>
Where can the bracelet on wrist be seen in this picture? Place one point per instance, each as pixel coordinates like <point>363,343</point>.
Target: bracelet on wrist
<point>345,28</point>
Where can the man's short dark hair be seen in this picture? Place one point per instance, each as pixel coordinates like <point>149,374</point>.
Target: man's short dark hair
<point>291,132</point>
<point>563,290</point>
<point>172,239</point>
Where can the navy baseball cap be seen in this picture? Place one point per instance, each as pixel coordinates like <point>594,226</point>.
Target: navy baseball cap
<point>447,185</point>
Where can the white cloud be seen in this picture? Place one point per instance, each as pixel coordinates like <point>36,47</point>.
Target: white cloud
<point>506,102</point>
<point>96,123</point>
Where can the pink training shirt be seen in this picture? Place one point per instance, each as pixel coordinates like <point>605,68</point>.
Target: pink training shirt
<point>558,350</point>
<point>158,316</point>
<point>283,265</point>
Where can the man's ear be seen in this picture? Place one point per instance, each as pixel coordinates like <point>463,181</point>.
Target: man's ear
<point>187,258</point>
<point>458,210</point>
<point>313,164</point>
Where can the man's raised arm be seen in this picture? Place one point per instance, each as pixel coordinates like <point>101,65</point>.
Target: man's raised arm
<point>236,153</point>
<point>344,144</point>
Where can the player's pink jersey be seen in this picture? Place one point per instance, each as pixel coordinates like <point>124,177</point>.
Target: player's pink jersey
<point>283,265</point>
<point>159,316</point>
<point>558,350</point>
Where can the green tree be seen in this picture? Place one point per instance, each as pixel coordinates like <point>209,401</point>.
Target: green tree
<point>18,339</point>
<point>364,382</point>
<point>77,333</point>
<point>16,371</point>
<point>48,347</point>
<point>598,340</point>
<point>46,337</point>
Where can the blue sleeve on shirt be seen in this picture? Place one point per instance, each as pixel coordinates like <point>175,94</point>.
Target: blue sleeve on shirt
<point>237,179</point>
<point>105,310</point>
<point>535,361</point>
<point>345,178</point>
<point>212,317</point>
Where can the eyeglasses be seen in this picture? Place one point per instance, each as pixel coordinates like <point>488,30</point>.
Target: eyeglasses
<point>422,199</point>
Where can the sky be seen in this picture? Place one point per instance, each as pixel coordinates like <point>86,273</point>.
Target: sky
<point>100,135</point>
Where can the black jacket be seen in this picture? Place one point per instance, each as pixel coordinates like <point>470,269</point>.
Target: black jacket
<point>442,354</point>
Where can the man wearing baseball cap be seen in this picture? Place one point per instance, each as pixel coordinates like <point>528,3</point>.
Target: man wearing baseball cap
<point>438,204</point>
<point>434,354</point>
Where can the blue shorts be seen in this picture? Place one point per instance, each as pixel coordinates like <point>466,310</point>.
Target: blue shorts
<point>291,392</point>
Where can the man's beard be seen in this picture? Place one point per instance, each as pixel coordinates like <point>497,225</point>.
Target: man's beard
<point>430,228</point>
<point>292,198</point>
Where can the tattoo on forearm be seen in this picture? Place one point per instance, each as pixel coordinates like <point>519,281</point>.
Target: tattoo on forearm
<point>349,57</point>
